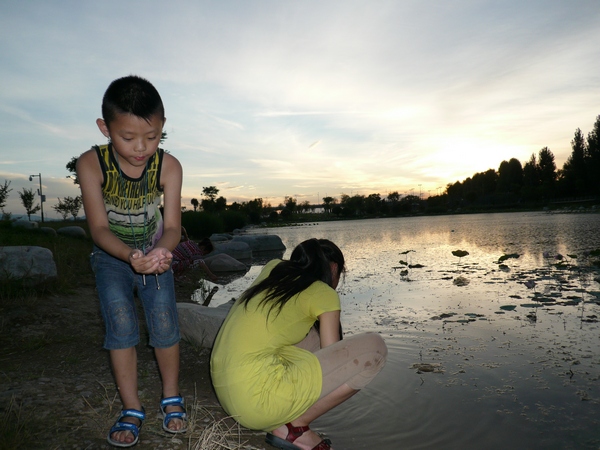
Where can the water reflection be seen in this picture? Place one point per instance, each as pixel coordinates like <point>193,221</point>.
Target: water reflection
<point>525,377</point>
<point>508,381</point>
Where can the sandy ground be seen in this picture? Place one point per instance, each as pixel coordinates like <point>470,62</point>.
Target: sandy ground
<point>56,387</point>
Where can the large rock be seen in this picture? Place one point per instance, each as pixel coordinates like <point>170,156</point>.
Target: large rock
<point>25,224</point>
<point>220,237</point>
<point>200,324</point>
<point>222,262</point>
<point>237,250</point>
<point>259,243</point>
<point>73,231</point>
<point>48,230</point>
<point>30,263</point>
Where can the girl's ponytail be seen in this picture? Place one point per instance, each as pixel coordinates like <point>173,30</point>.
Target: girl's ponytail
<point>310,261</point>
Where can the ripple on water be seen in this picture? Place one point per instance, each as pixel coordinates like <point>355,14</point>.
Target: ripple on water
<point>488,394</point>
<point>521,366</point>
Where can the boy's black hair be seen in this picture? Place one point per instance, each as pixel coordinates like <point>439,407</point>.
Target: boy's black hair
<point>131,95</point>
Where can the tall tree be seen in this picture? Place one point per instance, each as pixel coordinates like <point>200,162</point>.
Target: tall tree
<point>510,176</point>
<point>254,209</point>
<point>531,176</point>
<point>27,199</point>
<point>72,167</point>
<point>195,203</point>
<point>61,209</point>
<point>210,192</point>
<point>328,202</point>
<point>574,173</point>
<point>394,199</point>
<point>373,204</point>
<point>73,205</point>
<point>593,157</point>
<point>220,204</point>
<point>4,191</point>
<point>547,172</point>
<point>290,203</point>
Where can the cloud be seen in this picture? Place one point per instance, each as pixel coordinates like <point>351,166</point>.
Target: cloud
<point>307,96</point>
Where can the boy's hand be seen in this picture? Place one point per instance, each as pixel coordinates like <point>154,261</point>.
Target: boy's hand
<point>165,257</point>
<point>144,264</point>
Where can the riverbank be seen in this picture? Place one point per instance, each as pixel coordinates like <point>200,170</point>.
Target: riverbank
<point>57,391</point>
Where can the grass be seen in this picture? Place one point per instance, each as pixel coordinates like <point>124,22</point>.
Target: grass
<point>71,256</point>
<point>35,312</point>
<point>15,426</point>
<point>206,432</point>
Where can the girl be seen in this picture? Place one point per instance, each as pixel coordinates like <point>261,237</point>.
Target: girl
<point>272,368</point>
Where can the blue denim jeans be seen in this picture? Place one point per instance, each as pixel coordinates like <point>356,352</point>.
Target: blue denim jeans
<point>116,282</point>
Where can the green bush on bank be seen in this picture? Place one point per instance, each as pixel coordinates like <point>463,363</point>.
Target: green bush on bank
<point>71,255</point>
<point>201,224</point>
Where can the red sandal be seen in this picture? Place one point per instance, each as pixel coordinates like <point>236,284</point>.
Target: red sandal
<point>293,434</point>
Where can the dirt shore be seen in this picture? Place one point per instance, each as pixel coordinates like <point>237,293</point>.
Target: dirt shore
<point>57,390</point>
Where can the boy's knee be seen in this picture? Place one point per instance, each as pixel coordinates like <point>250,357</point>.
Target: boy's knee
<point>122,320</point>
<point>164,328</point>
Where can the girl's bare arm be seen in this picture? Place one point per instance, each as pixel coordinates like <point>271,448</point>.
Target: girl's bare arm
<point>329,328</point>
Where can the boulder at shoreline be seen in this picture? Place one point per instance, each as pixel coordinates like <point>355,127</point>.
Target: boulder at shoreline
<point>200,324</point>
<point>30,263</point>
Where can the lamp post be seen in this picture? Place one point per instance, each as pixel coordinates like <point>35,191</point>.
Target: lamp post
<point>40,193</point>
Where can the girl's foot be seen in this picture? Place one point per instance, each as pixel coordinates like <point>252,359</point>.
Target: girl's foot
<point>302,437</point>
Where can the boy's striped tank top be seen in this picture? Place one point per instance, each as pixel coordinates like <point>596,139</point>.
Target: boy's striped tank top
<point>125,209</point>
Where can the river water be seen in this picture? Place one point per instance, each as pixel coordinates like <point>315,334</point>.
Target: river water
<point>496,349</point>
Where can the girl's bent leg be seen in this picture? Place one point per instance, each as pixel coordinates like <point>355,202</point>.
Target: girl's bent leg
<point>354,361</point>
<point>347,366</point>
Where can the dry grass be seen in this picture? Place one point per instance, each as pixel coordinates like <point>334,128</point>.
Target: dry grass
<point>205,432</point>
<point>14,427</point>
<point>208,432</point>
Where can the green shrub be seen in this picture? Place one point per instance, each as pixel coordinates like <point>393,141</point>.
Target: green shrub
<point>233,220</point>
<point>201,224</point>
<point>71,256</point>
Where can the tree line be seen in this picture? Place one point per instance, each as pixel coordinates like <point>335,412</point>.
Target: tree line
<point>537,182</point>
<point>67,206</point>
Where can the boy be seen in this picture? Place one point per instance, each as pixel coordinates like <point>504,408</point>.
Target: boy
<point>121,184</point>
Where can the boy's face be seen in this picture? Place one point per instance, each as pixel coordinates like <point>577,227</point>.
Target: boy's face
<point>133,138</point>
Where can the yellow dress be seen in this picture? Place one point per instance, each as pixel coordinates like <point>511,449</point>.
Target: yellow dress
<point>260,377</point>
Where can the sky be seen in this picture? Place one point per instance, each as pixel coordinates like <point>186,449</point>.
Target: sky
<point>274,98</point>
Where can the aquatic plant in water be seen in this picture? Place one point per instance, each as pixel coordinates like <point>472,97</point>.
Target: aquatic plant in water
<point>405,266</point>
<point>530,284</point>
<point>460,280</point>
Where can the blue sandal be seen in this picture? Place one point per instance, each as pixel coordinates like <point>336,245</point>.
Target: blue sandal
<point>127,426</point>
<point>167,417</point>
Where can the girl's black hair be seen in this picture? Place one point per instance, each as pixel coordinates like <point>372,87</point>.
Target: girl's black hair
<point>310,261</point>
<point>131,95</point>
